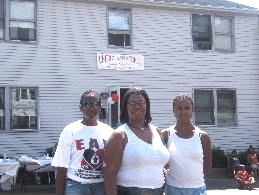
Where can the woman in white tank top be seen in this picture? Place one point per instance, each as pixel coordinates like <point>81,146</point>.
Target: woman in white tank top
<point>135,155</point>
<point>190,152</point>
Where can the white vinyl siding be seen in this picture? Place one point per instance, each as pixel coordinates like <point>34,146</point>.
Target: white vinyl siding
<point>63,64</point>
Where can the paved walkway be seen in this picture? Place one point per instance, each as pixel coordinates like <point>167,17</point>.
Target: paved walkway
<point>220,185</point>
<point>225,185</point>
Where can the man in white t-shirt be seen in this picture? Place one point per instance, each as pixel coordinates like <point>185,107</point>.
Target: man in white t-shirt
<point>79,154</point>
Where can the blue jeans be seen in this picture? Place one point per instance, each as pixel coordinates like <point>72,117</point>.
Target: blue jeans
<point>170,190</point>
<point>138,191</point>
<point>76,188</point>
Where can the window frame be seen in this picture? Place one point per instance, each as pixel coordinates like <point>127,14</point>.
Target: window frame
<point>231,35</point>
<point>3,19</point>
<point>210,32</point>
<point>117,31</point>
<point>8,20</point>
<point>2,108</point>
<point>214,33</point>
<point>215,107</point>
<point>8,107</point>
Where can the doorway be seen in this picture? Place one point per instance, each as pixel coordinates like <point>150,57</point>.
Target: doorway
<point>115,109</point>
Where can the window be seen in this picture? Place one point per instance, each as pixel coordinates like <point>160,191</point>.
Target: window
<point>223,33</point>
<point>1,19</point>
<point>119,27</point>
<point>226,112</point>
<point>215,107</point>
<point>201,32</point>
<point>20,17</point>
<point>25,94</point>
<point>22,111</point>
<point>2,109</point>
<point>212,32</point>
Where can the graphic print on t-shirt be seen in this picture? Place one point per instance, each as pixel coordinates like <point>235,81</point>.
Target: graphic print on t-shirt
<point>93,156</point>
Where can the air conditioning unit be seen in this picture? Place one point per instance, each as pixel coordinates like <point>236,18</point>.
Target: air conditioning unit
<point>204,45</point>
<point>23,34</point>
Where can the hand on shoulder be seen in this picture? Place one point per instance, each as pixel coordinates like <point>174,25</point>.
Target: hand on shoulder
<point>165,133</point>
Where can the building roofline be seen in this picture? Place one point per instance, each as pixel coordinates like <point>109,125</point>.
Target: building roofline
<point>183,6</point>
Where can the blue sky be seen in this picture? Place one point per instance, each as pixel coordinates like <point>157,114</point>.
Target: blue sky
<point>252,3</point>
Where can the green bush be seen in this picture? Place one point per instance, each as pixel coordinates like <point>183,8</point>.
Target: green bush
<point>219,158</point>
<point>49,151</point>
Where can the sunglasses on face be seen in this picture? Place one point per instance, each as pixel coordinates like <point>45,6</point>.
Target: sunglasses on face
<point>90,104</point>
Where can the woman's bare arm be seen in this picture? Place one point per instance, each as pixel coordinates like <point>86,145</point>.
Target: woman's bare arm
<point>112,161</point>
<point>61,180</point>
<point>207,153</point>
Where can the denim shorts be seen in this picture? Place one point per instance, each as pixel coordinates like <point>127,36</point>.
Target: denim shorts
<point>76,188</point>
<point>138,191</point>
<point>170,190</point>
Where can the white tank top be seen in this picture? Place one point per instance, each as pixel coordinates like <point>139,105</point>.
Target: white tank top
<point>186,161</point>
<point>142,163</point>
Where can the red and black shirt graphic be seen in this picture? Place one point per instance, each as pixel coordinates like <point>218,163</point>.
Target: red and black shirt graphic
<point>91,164</point>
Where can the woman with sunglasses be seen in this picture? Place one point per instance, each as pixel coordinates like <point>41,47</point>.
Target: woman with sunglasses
<point>135,154</point>
<point>79,154</point>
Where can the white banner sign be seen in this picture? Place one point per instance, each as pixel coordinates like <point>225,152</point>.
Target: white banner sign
<point>120,62</point>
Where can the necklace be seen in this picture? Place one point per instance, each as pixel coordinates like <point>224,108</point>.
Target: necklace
<point>139,128</point>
